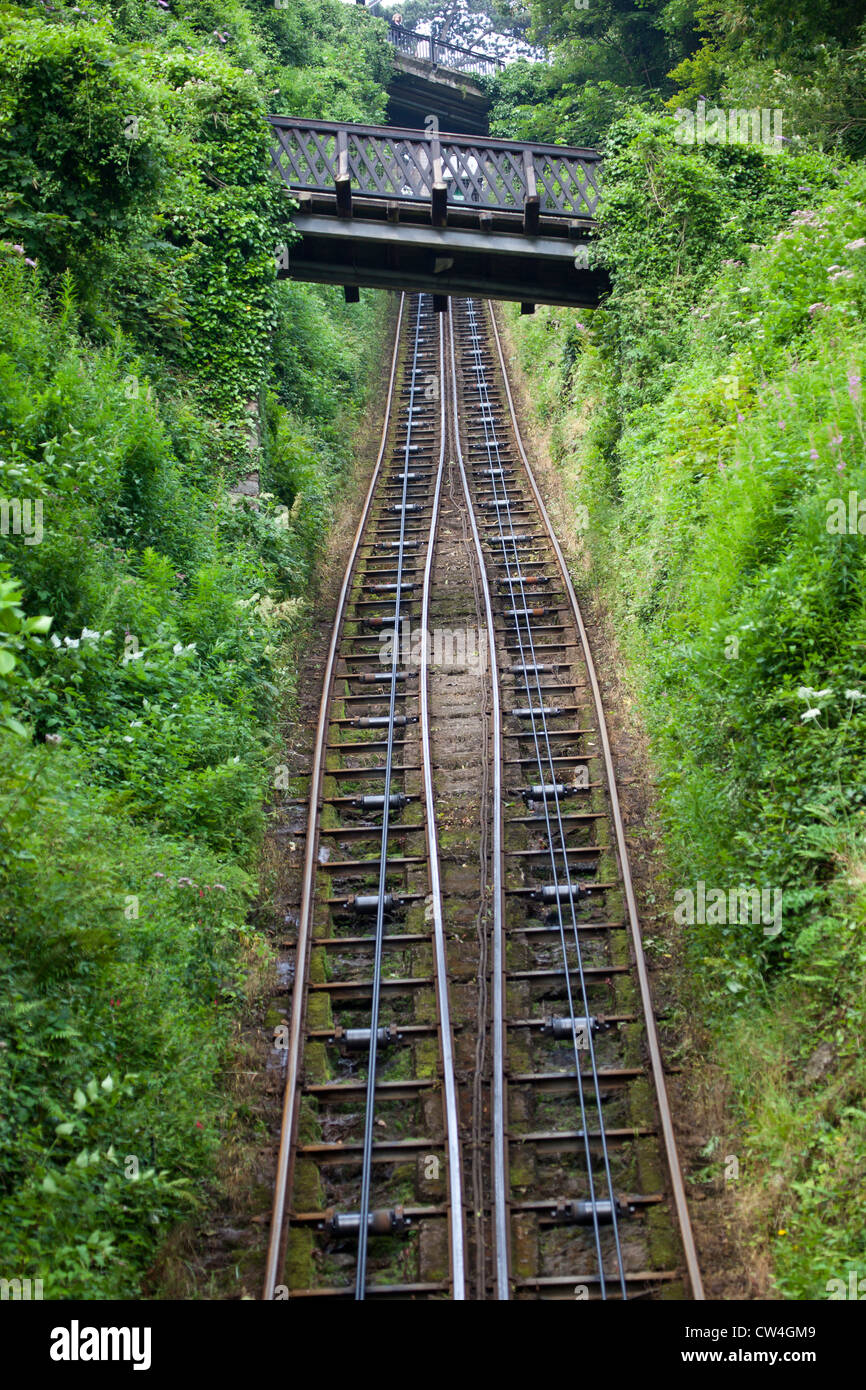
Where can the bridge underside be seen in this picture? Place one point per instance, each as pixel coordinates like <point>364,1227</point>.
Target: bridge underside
<point>495,260</point>
<point>417,90</point>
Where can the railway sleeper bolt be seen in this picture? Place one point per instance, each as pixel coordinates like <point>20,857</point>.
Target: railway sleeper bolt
<point>378,677</point>
<point>358,1039</point>
<point>531,711</point>
<point>405,584</point>
<point>529,670</point>
<point>384,1221</point>
<point>570,1211</point>
<point>516,613</point>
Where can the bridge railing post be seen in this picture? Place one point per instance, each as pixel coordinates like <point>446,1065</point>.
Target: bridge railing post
<point>531,201</point>
<point>438,186</point>
<point>343,181</point>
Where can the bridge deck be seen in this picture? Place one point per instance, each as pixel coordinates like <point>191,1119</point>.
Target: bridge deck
<point>453,213</point>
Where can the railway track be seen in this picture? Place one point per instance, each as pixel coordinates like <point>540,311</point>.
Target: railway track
<point>475,1102</point>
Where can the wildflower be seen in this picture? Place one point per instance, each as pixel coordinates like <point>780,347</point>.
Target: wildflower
<point>89,636</point>
<point>31,263</point>
<point>158,874</point>
<point>54,739</point>
<point>856,245</point>
<point>71,642</point>
<point>55,640</point>
<point>816,308</point>
<point>854,695</point>
<point>128,739</point>
<point>781,424</point>
<point>185,883</point>
<point>813,454</point>
<point>221,887</point>
<point>811,714</point>
<point>836,439</point>
<point>854,387</point>
<point>740,417</point>
<point>19,248</point>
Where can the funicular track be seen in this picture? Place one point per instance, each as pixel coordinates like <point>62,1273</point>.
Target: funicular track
<point>368,1150</point>
<point>382,1155</point>
<point>587,1197</point>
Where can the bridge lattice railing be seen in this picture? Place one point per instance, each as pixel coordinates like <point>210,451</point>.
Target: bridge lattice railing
<point>442,54</point>
<point>401,165</point>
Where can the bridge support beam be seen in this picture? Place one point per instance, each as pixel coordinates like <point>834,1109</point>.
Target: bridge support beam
<point>383,254</point>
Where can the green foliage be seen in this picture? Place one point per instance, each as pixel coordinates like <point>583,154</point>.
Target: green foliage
<point>805,59</point>
<point>120,956</point>
<point>70,175</point>
<point>148,359</point>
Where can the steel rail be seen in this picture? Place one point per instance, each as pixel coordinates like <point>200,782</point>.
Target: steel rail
<point>675,1172</point>
<point>493,449</point>
<point>500,1202</point>
<point>369,1113</point>
<point>455,1177</point>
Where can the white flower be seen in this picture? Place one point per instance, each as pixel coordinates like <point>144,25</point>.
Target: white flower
<point>853,694</point>
<point>71,642</point>
<point>811,714</point>
<point>180,650</point>
<point>55,640</point>
<point>88,636</point>
<point>822,694</point>
<point>136,723</point>
<point>856,245</point>
<point>128,739</point>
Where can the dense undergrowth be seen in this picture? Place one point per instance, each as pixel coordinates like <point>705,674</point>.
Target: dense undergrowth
<point>713,442</point>
<point>149,360</point>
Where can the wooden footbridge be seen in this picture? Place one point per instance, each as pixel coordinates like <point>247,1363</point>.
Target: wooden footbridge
<point>447,214</point>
